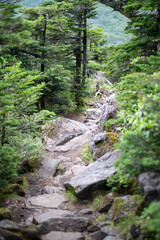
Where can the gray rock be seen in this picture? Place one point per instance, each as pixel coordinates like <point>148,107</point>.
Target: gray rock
<point>93,228</point>
<point>69,224</point>
<point>150,184</point>
<point>61,126</point>
<point>112,238</point>
<point>121,207</point>
<point>98,235</point>
<point>48,167</point>
<point>63,235</point>
<point>86,211</point>
<point>93,113</point>
<point>99,152</point>
<point>51,190</point>
<point>105,232</point>
<point>107,202</point>
<point>109,231</point>
<point>66,138</point>
<point>99,137</point>
<point>52,213</point>
<point>108,112</point>
<point>94,176</point>
<point>47,201</point>
<point>96,139</point>
<point>10,230</point>
<point>72,144</point>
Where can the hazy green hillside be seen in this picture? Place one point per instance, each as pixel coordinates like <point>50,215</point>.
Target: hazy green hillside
<point>113,23</point>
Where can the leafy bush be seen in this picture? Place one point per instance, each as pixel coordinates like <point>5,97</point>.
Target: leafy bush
<point>150,221</point>
<point>140,144</point>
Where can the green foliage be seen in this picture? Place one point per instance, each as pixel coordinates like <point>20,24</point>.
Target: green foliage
<point>150,221</point>
<point>71,195</point>
<point>97,201</point>
<point>140,145</point>
<point>86,154</point>
<point>119,183</point>
<point>112,122</point>
<point>28,145</point>
<point>8,164</point>
<point>101,218</point>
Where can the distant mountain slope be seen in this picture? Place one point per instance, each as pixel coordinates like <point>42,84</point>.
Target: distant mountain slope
<point>113,23</point>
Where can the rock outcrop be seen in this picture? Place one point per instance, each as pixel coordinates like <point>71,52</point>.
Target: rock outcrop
<point>94,176</point>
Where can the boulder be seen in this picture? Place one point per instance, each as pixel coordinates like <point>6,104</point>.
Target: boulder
<point>121,207</point>
<point>63,235</point>
<point>94,176</point>
<point>86,211</point>
<point>93,113</point>
<point>107,202</point>
<point>48,167</point>
<point>5,214</point>
<point>99,152</point>
<point>112,238</point>
<point>49,214</point>
<point>47,201</point>
<point>15,188</point>
<point>61,126</point>
<point>150,184</point>
<point>103,232</point>
<point>10,230</point>
<point>68,224</point>
<point>71,145</point>
<point>108,112</point>
<point>99,137</point>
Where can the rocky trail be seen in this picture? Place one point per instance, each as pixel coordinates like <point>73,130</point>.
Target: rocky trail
<point>45,205</point>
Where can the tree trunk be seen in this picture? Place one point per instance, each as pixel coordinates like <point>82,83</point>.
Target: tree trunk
<point>84,48</point>
<point>78,83</point>
<point>3,132</point>
<point>42,99</point>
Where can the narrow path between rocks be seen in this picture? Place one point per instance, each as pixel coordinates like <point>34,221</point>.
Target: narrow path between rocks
<point>46,204</point>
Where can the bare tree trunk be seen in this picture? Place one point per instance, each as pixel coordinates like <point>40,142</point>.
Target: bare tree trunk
<point>84,48</point>
<point>78,54</point>
<point>42,99</point>
<point>3,132</point>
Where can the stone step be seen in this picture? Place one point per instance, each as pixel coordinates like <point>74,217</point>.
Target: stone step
<point>68,224</point>
<point>52,213</point>
<point>46,201</point>
<point>63,236</point>
<point>94,176</point>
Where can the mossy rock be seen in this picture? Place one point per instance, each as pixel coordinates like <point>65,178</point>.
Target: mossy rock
<point>11,230</point>
<point>100,152</point>
<point>34,162</point>
<point>121,207</point>
<point>17,180</point>
<point>5,214</point>
<point>14,188</point>
<point>30,165</point>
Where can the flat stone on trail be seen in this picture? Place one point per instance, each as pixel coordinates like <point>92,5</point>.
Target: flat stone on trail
<point>63,236</point>
<point>52,213</point>
<point>69,224</point>
<point>94,176</point>
<point>74,143</point>
<point>47,201</point>
<point>48,167</point>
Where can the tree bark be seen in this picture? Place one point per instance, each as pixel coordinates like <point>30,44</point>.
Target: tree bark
<point>3,132</point>
<point>84,48</point>
<point>42,99</point>
<point>78,55</point>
